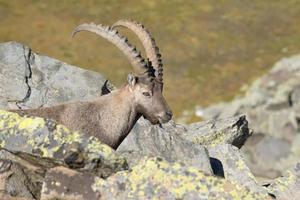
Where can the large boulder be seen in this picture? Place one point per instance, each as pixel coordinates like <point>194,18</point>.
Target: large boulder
<point>43,138</point>
<point>186,143</point>
<point>272,106</point>
<point>30,80</point>
<point>166,142</point>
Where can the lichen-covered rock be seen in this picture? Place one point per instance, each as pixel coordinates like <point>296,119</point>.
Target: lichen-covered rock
<point>29,80</point>
<point>287,187</point>
<point>228,162</point>
<point>155,178</point>
<point>67,184</point>
<point>165,142</point>
<point>46,139</point>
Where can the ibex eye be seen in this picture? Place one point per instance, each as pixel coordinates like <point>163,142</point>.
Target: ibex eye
<point>147,94</point>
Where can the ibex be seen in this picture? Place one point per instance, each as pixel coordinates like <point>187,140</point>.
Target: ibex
<point>111,117</point>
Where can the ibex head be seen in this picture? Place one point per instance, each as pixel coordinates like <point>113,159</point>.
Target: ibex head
<point>149,100</point>
<point>147,85</point>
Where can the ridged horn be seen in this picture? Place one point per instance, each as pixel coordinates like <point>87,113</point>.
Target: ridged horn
<point>135,58</point>
<point>152,51</point>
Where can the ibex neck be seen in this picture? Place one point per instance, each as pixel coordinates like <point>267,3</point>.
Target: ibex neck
<point>123,116</point>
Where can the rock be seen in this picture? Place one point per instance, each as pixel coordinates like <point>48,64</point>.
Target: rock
<point>156,178</point>
<point>44,138</point>
<point>232,130</point>
<point>228,162</point>
<point>145,140</point>
<point>22,179</point>
<point>29,80</point>
<point>18,180</point>
<point>287,186</point>
<point>272,106</point>
<point>175,142</point>
<point>68,184</point>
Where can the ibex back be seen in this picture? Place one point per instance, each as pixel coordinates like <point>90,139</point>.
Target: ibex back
<point>111,117</point>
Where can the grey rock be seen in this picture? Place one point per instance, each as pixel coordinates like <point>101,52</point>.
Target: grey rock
<point>29,80</point>
<point>230,130</point>
<point>186,143</point>
<point>166,142</point>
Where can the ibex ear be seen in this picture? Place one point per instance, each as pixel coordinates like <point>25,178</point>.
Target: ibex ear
<point>131,80</point>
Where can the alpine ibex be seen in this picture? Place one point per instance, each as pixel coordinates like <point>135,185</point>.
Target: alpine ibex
<point>111,117</point>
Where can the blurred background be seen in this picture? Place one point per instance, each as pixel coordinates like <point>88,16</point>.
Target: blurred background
<point>211,49</point>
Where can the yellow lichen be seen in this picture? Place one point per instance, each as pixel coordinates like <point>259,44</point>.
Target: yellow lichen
<point>2,143</point>
<point>73,137</point>
<point>240,164</point>
<point>210,139</point>
<point>11,120</point>
<point>95,145</point>
<point>31,124</point>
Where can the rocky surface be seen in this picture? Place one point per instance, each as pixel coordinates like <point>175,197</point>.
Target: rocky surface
<point>38,162</point>
<point>65,183</point>
<point>230,130</point>
<point>228,162</point>
<point>272,106</point>
<point>45,139</point>
<point>287,186</point>
<point>30,80</point>
<point>43,160</point>
<point>155,178</point>
<point>175,142</point>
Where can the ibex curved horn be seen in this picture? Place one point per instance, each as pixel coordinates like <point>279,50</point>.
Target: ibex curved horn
<point>152,51</point>
<point>135,58</point>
